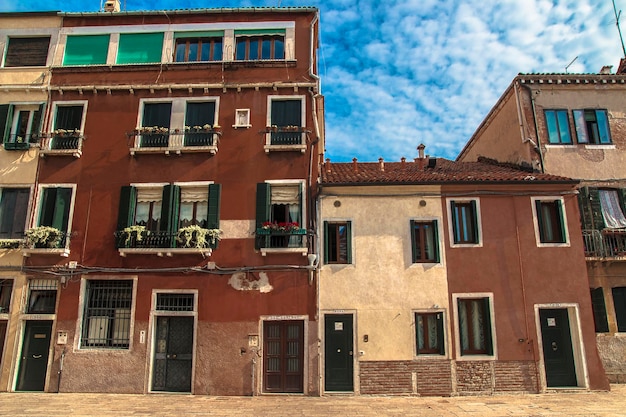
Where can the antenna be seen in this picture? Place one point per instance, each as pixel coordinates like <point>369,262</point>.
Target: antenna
<point>617,15</point>
<point>571,62</point>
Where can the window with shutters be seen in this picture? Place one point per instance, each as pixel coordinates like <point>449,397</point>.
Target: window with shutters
<point>603,221</point>
<point>599,310</point>
<point>54,210</point>
<point>592,126</point>
<point>464,218</point>
<point>170,216</point>
<point>424,241</point>
<point>255,44</point>
<point>140,48</point>
<point>337,242</point>
<point>66,135</point>
<point>280,216</point>
<point>286,129</point>
<point>475,325</point>
<point>20,125</point>
<point>13,212</point>
<point>429,333</point>
<point>27,51</point>
<point>549,220</point>
<point>619,301</point>
<point>86,49</point>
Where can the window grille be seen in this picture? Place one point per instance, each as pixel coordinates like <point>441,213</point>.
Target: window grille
<point>42,296</point>
<point>175,302</point>
<point>106,322</point>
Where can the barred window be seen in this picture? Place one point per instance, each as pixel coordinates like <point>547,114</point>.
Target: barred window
<point>175,302</point>
<point>106,322</point>
<point>42,296</point>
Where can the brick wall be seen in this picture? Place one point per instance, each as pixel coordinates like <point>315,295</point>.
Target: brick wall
<point>516,376</point>
<point>423,377</point>
<point>486,377</point>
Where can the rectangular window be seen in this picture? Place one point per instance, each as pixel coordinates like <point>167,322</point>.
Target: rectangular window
<point>55,207</point>
<point>68,118</point>
<point>140,48</point>
<point>599,310</point>
<point>337,242</point>
<point>156,116</point>
<point>558,127</point>
<point>20,125</point>
<point>13,210</point>
<point>592,126</point>
<point>279,215</point>
<point>429,333</point>
<point>175,302</point>
<point>198,46</point>
<point>27,52</point>
<point>252,45</point>
<point>42,296</point>
<point>86,49</point>
<point>619,302</point>
<point>286,117</point>
<point>106,319</point>
<point>199,120</point>
<point>550,221</point>
<point>424,241</point>
<point>464,222</point>
<point>475,326</point>
<point>6,288</point>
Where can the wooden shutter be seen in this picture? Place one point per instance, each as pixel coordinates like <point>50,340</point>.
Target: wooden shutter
<point>487,324</point>
<point>590,208</point>
<point>436,240</point>
<point>169,209</point>
<point>542,233</point>
<point>414,236</point>
<point>453,220</point>
<point>48,201</point>
<point>440,338</point>
<point>27,52</point>
<point>213,212</point>
<point>326,248</point>
<point>561,214</point>
<point>474,221</point>
<point>349,242</point>
<point>62,209</point>
<point>13,208</point>
<point>262,209</point>
<point>126,210</point>
<point>599,310</point>
<point>5,120</point>
<point>619,300</point>
<point>35,131</point>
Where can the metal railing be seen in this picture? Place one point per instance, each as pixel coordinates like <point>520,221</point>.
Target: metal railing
<point>61,143</point>
<point>19,142</point>
<point>604,243</point>
<point>154,240</point>
<point>174,139</point>
<point>280,239</point>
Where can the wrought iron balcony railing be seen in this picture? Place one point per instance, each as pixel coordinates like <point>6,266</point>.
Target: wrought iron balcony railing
<point>19,142</point>
<point>604,243</point>
<point>157,242</point>
<point>62,144</point>
<point>285,138</point>
<point>274,239</point>
<point>200,140</point>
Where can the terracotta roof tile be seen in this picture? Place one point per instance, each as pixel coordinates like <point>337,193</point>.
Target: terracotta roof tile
<point>444,171</point>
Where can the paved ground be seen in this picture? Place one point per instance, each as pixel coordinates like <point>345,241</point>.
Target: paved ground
<point>601,404</point>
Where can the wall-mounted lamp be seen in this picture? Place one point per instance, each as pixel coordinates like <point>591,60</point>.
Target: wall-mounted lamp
<point>312,258</point>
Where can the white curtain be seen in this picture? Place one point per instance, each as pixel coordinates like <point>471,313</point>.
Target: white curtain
<point>294,216</point>
<point>285,194</point>
<point>611,210</point>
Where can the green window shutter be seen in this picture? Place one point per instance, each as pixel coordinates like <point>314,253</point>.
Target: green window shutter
<point>169,208</point>
<point>37,123</point>
<point>325,242</point>
<point>542,232</point>
<point>126,211</point>
<point>46,212</point>
<point>462,329</point>
<point>55,208</point>
<point>621,192</point>
<point>413,238</point>
<point>440,338</point>
<point>474,221</point>
<point>140,48</point>
<point>561,214</point>
<point>599,310</point>
<point>301,195</point>
<point>262,209</point>
<point>6,114</point>
<point>213,213</point>
<point>436,240</point>
<point>456,233</point>
<point>349,241</point>
<point>86,50</point>
<point>487,324</point>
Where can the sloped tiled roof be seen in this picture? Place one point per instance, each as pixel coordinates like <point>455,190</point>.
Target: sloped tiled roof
<point>444,172</point>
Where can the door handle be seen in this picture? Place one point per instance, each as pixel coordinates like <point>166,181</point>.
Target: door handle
<point>350,353</point>
<point>555,347</point>
<point>36,356</point>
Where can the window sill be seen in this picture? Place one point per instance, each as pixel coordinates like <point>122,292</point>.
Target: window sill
<point>477,357</point>
<point>179,150</point>
<point>76,153</point>
<point>553,245</point>
<point>603,146</point>
<point>65,252</point>
<point>284,148</point>
<point>430,356</point>
<point>169,252</point>
<point>278,251</point>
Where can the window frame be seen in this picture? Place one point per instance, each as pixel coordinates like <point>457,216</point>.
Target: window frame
<point>8,53</point>
<point>442,351</point>
<point>555,117</point>
<point>434,224</point>
<point>52,126</point>
<point>475,203</point>
<point>200,41</point>
<point>491,349</point>
<point>84,318</point>
<point>36,219</point>
<point>538,221</point>
<point>581,124</point>
<point>27,210</point>
<point>246,37</point>
<point>44,293</point>
<point>349,239</point>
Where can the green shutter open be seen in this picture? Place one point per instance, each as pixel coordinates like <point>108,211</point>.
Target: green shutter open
<point>140,48</point>
<point>169,209</point>
<point>542,233</point>
<point>487,324</point>
<point>349,241</point>
<point>440,338</point>
<point>599,310</point>
<point>213,212</point>
<point>86,49</point>
<point>436,240</point>
<point>413,239</point>
<point>325,242</point>
<point>262,209</point>
<point>561,214</point>
<point>6,112</point>
<point>474,221</point>
<point>126,211</point>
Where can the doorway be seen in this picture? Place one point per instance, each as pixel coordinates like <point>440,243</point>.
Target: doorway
<point>173,354</point>
<point>558,352</point>
<point>283,356</point>
<point>33,367</point>
<point>338,353</point>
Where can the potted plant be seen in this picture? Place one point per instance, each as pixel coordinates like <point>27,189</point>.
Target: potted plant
<point>44,237</point>
<point>132,234</point>
<point>9,243</point>
<point>197,237</point>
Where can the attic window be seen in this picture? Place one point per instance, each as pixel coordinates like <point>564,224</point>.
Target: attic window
<point>27,52</point>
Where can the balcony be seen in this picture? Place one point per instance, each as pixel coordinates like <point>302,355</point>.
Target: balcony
<point>605,244</point>
<point>136,240</point>
<point>165,141</point>
<point>19,143</point>
<point>279,241</point>
<point>285,138</point>
<point>62,143</point>
<point>45,240</point>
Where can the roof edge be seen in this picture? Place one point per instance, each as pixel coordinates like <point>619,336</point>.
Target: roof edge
<point>194,11</point>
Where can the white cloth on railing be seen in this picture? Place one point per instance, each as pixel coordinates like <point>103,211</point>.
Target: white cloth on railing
<point>611,210</point>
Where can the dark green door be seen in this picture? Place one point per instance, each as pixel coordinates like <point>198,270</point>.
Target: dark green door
<point>173,354</point>
<point>35,351</point>
<point>338,353</point>
<point>558,354</point>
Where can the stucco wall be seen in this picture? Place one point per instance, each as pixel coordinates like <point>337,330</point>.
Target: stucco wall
<point>382,285</point>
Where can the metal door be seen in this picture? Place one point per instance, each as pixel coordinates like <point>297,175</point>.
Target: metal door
<point>558,354</point>
<point>338,353</point>
<point>283,356</point>
<point>33,366</point>
<point>173,354</point>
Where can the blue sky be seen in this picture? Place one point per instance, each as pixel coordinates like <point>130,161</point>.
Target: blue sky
<point>397,73</point>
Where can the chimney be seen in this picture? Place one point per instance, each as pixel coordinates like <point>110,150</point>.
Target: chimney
<point>403,161</point>
<point>421,157</point>
<point>381,164</point>
<point>112,6</point>
<point>354,165</point>
<point>605,70</point>
<point>327,165</point>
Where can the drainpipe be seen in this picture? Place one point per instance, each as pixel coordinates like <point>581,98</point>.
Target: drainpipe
<point>60,370</point>
<point>538,148</point>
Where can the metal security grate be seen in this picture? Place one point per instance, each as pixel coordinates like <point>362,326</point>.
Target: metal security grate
<point>42,296</point>
<point>106,322</point>
<point>175,302</point>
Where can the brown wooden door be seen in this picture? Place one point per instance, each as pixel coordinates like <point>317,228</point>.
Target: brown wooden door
<point>283,356</point>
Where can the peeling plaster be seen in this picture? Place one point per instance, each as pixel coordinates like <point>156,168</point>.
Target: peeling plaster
<point>243,281</point>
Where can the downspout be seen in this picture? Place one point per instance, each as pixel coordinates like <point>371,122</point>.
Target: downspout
<point>538,145</point>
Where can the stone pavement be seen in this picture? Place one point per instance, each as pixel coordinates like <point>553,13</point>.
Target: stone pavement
<point>581,403</point>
